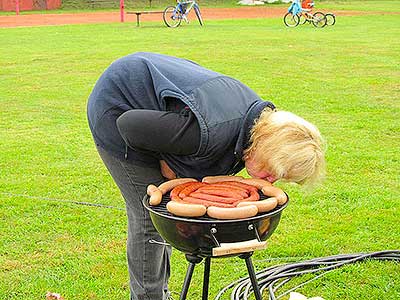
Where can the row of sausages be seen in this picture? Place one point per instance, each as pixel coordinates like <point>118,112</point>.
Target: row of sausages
<point>220,197</point>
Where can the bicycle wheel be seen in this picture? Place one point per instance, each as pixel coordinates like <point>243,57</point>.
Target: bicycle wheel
<point>172,17</point>
<point>303,19</point>
<point>330,19</point>
<point>291,20</point>
<point>198,14</point>
<point>319,20</point>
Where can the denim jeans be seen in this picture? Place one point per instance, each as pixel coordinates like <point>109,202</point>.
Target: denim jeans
<point>148,263</point>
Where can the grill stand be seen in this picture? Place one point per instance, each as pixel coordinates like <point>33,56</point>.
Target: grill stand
<point>193,260</point>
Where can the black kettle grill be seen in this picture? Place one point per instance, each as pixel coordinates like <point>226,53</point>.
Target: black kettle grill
<point>205,237</point>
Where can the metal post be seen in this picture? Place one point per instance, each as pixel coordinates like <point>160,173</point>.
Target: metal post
<point>121,10</point>
<point>17,7</point>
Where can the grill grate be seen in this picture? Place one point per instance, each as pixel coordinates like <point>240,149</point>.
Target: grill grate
<point>162,210</point>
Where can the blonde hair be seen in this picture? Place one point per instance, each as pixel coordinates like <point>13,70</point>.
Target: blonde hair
<point>289,146</point>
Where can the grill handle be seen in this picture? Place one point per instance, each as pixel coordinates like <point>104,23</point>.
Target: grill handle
<point>238,247</point>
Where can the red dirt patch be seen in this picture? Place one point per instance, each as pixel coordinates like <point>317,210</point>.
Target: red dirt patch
<point>251,12</point>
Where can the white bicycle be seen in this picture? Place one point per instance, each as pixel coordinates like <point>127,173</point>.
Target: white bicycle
<point>173,15</point>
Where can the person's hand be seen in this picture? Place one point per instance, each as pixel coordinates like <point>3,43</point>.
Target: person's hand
<point>166,170</point>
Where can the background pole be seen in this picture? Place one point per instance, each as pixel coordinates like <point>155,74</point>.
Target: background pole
<point>17,7</point>
<point>121,9</point>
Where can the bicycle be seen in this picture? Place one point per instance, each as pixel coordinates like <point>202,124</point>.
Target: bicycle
<point>307,6</point>
<point>318,19</point>
<point>330,18</point>
<point>297,15</point>
<point>173,15</point>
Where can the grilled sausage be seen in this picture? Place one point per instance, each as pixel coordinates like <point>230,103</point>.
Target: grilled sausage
<point>206,203</point>
<point>258,183</point>
<point>190,189</point>
<point>225,185</point>
<point>170,184</point>
<point>213,198</point>
<point>242,185</point>
<point>151,188</point>
<point>155,194</point>
<point>232,213</point>
<point>262,206</point>
<point>254,196</point>
<point>221,178</point>
<point>186,210</point>
<point>223,191</point>
<point>174,194</point>
<point>275,192</point>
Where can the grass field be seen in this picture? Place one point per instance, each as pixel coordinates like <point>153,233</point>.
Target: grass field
<point>345,79</point>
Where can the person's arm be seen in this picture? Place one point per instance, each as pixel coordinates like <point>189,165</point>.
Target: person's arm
<point>160,131</point>
<point>166,171</point>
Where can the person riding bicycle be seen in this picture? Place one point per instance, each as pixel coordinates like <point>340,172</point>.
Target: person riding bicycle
<point>307,4</point>
<point>295,7</point>
<point>183,5</point>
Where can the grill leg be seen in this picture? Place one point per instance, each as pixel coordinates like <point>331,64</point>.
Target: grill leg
<point>252,275</point>
<point>193,260</point>
<point>206,278</point>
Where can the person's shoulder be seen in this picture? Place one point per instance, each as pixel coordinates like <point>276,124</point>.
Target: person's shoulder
<point>137,56</point>
<point>131,63</point>
<point>154,59</point>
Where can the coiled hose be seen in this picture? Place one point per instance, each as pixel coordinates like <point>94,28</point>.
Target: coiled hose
<point>275,277</point>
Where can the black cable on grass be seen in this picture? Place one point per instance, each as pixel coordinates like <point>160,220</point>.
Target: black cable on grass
<point>275,277</point>
<point>63,201</point>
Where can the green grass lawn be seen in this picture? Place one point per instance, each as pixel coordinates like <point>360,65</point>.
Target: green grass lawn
<point>360,5</point>
<point>345,79</point>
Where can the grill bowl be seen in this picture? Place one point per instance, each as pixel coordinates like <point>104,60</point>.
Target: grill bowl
<point>198,236</point>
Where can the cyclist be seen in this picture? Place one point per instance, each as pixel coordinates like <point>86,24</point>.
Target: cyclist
<point>307,5</point>
<point>184,5</point>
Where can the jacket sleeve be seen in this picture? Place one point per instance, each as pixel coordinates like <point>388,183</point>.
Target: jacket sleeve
<point>160,131</point>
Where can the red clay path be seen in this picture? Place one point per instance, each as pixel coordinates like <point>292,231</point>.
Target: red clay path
<point>250,12</point>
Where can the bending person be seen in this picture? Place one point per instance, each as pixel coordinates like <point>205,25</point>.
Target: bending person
<point>155,117</point>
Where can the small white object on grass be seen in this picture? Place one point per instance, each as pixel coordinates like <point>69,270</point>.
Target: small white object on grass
<point>250,2</point>
<point>53,296</point>
<point>298,296</point>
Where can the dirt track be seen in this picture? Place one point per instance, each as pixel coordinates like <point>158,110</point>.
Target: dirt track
<point>250,12</point>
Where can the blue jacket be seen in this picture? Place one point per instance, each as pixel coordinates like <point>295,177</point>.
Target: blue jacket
<point>224,107</point>
<point>295,7</point>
